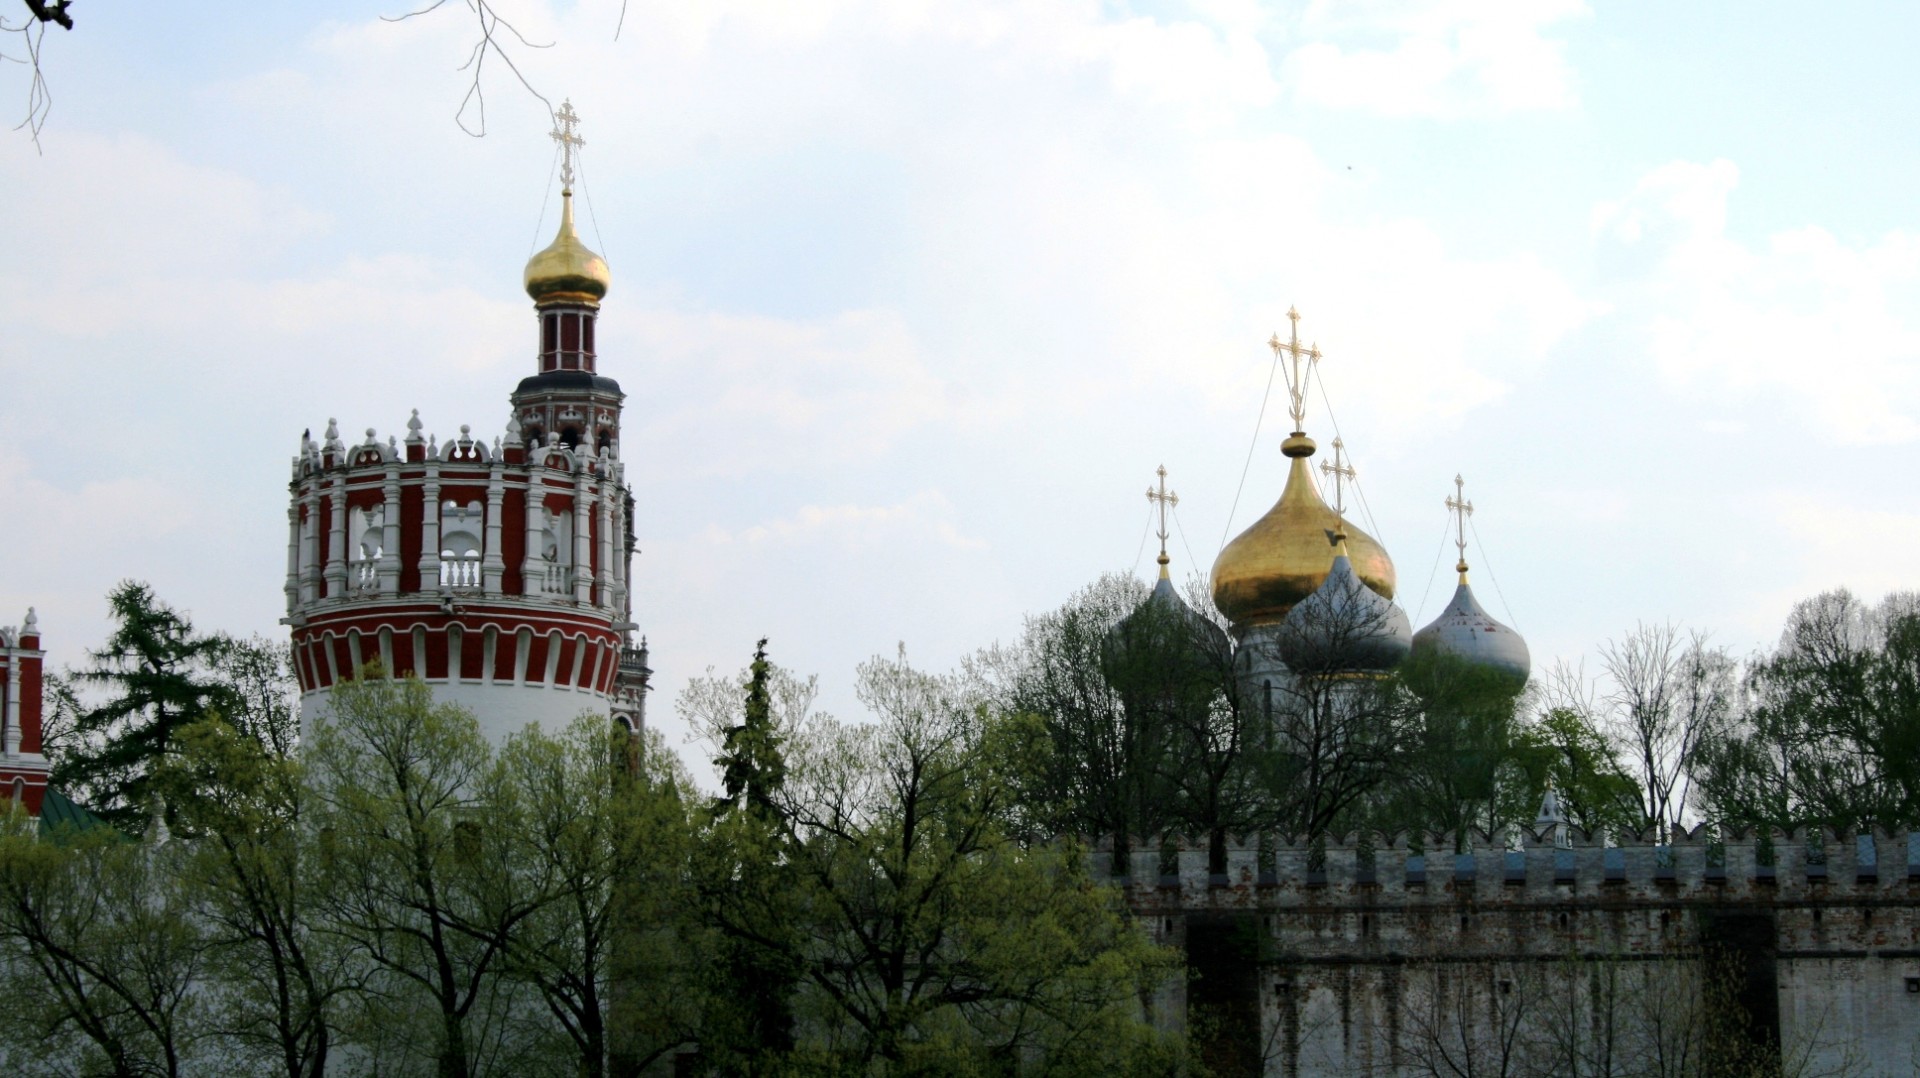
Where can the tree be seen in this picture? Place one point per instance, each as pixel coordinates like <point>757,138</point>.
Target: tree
<point>746,886</point>
<point>931,937</point>
<point>1101,765</point>
<point>1831,728</point>
<point>249,857</point>
<point>1669,697</point>
<point>609,846</point>
<point>1468,763</point>
<point>159,675</point>
<point>416,826</point>
<point>98,940</point>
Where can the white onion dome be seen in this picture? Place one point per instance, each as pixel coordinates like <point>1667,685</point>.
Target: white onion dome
<point>1466,632</point>
<point>1344,627</point>
<point>1165,599</point>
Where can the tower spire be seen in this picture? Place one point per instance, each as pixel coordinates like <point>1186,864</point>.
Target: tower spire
<point>1461,509</point>
<point>1164,499</point>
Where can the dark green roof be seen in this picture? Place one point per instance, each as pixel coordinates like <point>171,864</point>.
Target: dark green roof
<point>60,816</point>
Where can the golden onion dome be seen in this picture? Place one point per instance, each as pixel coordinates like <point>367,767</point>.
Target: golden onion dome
<point>1286,554</point>
<point>567,271</point>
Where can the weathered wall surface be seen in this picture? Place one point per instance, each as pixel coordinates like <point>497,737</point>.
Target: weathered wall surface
<point>1565,957</point>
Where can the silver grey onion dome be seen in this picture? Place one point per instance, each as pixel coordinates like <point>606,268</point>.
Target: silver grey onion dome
<point>1165,597</point>
<point>1467,632</point>
<point>1344,627</point>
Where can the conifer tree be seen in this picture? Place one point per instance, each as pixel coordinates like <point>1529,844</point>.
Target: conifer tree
<point>156,669</point>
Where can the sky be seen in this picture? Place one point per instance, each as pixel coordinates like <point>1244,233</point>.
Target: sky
<point>910,299</point>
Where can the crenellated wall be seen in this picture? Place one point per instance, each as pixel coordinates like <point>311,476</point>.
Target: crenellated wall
<point>1371,957</point>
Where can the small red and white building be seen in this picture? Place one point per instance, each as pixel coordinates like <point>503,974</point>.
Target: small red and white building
<point>498,573</point>
<point>23,768</point>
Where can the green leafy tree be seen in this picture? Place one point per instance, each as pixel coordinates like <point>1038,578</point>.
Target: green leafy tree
<point>1101,764</point>
<point>1830,730</point>
<point>102,958</point>
<point>249,857</point>
<point>608,845</point>
<point>934,941</point>
<point>417,827</point>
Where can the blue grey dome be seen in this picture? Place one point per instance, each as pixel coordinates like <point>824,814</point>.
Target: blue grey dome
<point>1344,627</point>
<point>1465,631</point>
<point>1165,597</point>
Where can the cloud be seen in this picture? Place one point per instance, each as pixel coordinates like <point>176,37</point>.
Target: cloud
<point>1827,328</point>
<point>1434,58</point>
<point>927,514</point>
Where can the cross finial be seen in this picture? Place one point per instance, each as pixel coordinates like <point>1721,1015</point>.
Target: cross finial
<point>1341,471</point>
<point>1164,499</point>
<point>1461,508</point>
<point>1296,373</point>
<point>563,133</point>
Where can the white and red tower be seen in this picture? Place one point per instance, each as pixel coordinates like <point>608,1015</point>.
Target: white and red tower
<point>23,769</point>
<point>496,573</point>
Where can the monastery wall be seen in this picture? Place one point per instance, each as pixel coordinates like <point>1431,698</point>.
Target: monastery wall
<point>1566,956</point>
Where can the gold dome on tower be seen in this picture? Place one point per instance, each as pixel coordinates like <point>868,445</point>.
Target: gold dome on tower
<point>567,271</point>
<point>1286,554</point>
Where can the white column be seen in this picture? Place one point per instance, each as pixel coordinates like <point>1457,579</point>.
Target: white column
<point>430,532</point>
<point>492,565</point>
<point>12,716</point>
<point>582,540</point>
<point>390,534</point>
<point>293,555</point>
<point>606,546</point>
<point>530,572</point>
<point>310,544</point>
<point>619,514</point>
<point>337,541</point>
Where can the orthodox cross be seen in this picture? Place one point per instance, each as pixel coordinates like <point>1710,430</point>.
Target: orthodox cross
<point>1164,499</point>
<point>1296,373</point>
<point>1460,508</point>
<point>563,133</point>
<point>1341,471</point>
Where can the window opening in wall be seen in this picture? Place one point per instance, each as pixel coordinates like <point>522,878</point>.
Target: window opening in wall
<point>1913,986</point>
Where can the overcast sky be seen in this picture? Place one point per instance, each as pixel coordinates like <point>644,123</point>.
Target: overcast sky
<point>910,299</point>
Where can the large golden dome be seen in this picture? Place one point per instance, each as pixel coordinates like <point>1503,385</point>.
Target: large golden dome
<point>567,271</point>
<point>1285,555</point>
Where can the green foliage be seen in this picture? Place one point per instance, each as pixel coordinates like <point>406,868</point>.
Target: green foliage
<point>157,672</point>
<point>1585,772</point>
<point>1831,731</point>
<point>100,955</point>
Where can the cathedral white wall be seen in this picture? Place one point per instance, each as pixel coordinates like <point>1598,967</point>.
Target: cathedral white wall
<point>502,710</point>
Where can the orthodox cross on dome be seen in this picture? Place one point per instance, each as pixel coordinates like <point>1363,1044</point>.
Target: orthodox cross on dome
<point>563,133</point>
<point>1460,508</point>
<point>1301,366</point>
<point>1342,472</point>
<point>1164,499</point>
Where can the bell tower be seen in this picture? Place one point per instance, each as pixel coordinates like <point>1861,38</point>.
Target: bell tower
<point>497,573</point>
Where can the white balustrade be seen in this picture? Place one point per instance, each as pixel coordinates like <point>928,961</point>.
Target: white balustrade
<point>459,570</point>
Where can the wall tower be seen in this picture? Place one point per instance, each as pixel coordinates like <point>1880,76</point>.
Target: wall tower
<point>499,574</point>
<point>23,770</point>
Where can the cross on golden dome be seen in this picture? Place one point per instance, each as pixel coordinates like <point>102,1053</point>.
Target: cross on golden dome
<point>564,123</point>
<point>1164,499</point>
<point>1296,372</point>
